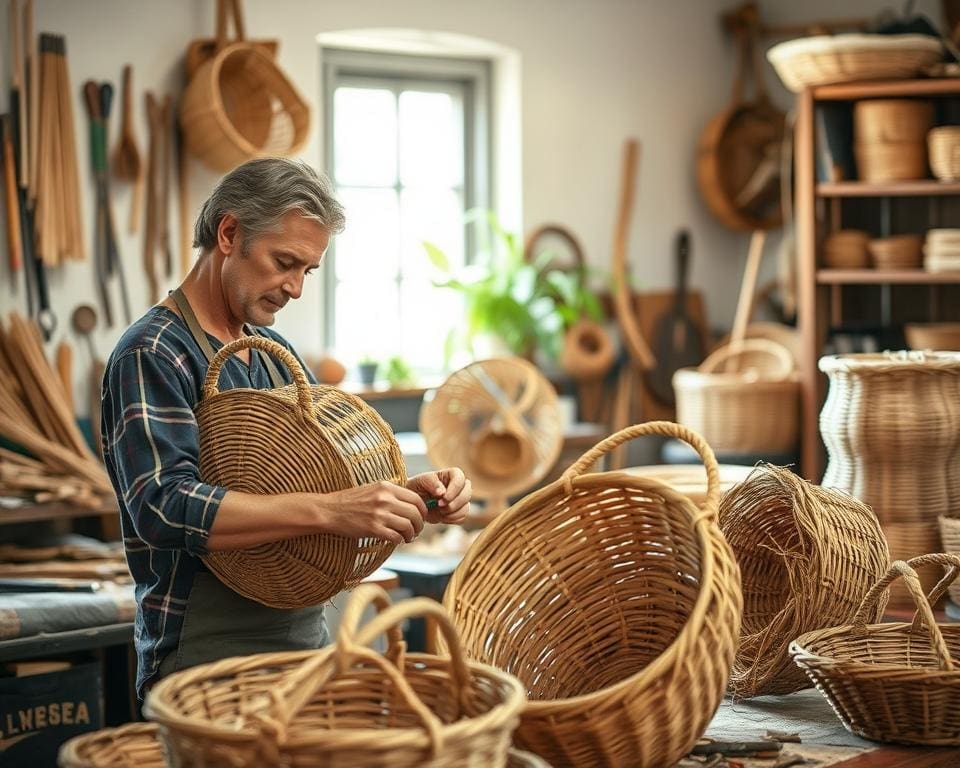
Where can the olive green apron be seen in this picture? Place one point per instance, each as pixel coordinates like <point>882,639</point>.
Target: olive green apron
<point>218,622</point>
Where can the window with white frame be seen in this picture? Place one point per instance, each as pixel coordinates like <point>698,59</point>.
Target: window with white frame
<point>407,150</point>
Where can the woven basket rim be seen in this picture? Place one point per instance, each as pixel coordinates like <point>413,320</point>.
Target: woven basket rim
<point>733,379</point>
<point>803,646</point>
<point>851,42</point>
<point>888,362</point>
<point>701,523</point>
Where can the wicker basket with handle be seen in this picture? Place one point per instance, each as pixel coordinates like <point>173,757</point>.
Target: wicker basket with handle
<point>753,409</point>
<point>896,681</point>
<point>298,438</point>
<point>345,706</point>
<point>807,557</point>
<point>617,603</point>
<point>136,745</point>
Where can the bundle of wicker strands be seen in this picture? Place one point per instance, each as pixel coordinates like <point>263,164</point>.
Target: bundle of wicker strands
<point>345,706</point>
<point>807,557</point>
<point>294,439</point>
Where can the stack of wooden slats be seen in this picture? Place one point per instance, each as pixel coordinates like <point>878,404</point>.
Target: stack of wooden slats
<point>35,417</point>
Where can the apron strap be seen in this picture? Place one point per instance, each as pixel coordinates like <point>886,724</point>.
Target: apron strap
<point>190,318</point>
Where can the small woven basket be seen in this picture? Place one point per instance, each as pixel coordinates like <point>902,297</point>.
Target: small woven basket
<point>345,706</point>
<point>810,61</point>
<point>897,252</point>
<point>136,745</point>
<point>807,557</point>
<point>897,681</point>
<point>753,410</point>
<point>239,105</point>
<point>943,144</point>
<point>294,439</point>
<point>933,336</point>
<point>617,603</point>
<point>892,121</point>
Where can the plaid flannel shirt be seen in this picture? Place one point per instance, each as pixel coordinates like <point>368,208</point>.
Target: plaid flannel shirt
<point>151,449</point>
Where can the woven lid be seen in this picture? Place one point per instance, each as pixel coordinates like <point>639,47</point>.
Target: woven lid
<point>294,439</point>
<point>891,362</point>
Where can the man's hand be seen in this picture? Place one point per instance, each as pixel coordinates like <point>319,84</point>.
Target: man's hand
<point>383,510</point>
<point>452,490</point>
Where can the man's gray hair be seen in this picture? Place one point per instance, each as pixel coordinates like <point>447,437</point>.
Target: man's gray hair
<point>259,193</point>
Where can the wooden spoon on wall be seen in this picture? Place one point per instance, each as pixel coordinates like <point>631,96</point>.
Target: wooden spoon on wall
<point>127,163</point>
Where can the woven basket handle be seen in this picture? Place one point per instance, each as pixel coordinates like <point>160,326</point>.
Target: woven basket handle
<point>924,611</point>
<point>665,428</point>
<point>351,647</point>
<point>269,346</point>
<point>780,354</point>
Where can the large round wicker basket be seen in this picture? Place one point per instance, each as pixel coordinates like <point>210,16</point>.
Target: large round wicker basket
<point>136,745</point>
<point>755,409</point>
<point>345,706</point>
<point>807,557</point>
<point>896,681</point>
<point>295,439</point>
<point>617,603</point>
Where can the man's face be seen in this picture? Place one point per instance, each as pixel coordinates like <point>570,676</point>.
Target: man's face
<point>262,275</point>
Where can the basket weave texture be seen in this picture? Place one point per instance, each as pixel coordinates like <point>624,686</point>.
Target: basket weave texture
<point>345,706</point>
<point>238,106</point>
<point>824,59</point>
<point>294,439</point>
<point>750,410</point>
<point>617,603</point>
<point>807,557</point>
<point>136,745</point>
<point>897,681</point>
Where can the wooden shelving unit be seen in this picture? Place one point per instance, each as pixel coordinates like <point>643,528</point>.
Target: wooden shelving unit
<point>819,289</point>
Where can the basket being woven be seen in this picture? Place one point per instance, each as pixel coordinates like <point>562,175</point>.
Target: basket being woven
<point>617,603</point>
<point>807,557</point>
<point>345,706</point>
<point>897,681</point>
<point>294,439</point>
<point>136,745</point>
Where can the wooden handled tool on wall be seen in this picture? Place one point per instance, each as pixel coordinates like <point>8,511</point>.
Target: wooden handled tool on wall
<point>127,164</point>
<point>748,288</point>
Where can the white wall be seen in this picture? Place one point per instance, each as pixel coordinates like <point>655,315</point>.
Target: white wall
<point>593,72</point>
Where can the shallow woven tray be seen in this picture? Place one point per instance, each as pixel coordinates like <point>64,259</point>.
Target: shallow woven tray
<point>807,557</point>
<point>617,603</point>
<point>294,439</point>
<point>136,745</point>
<point>345,706</point>
<point>894,682</point>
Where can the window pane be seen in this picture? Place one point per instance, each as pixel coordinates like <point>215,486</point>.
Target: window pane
<point>369,246</point>
<point>427,315</point>
<point>431,139</point>
<point>365,136</point>
<point>435,215</point>
<point>367,324</point>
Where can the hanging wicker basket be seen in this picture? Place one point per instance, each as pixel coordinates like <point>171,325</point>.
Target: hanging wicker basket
<point>755,409</point>
<point>295,439</point>
<point>893,682</point>
<point>617,603</point>
<point>807,557</point>
<point>239,105</point>
<point>136,745</point>
<point>345,706</point>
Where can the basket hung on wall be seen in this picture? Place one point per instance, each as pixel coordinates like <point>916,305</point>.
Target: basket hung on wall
<point>896,682</point>
<point>239,105</point>
<point>617,603</point>
<point>345,706</point>
<point>807,557</point>
<point>295,439</point>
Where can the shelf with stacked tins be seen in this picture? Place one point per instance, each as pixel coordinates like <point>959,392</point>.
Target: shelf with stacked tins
<point>875,250</point>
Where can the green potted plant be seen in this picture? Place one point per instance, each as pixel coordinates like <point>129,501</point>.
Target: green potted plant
<point>527,306</point>
<point>398,373</point>
<point>367,368</point>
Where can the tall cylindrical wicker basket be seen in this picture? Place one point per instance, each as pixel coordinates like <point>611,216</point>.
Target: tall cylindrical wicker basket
<point>891,424</point>
<point>617,603</point>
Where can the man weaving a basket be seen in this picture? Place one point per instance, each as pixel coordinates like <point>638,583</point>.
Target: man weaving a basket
<point>263,230</point>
